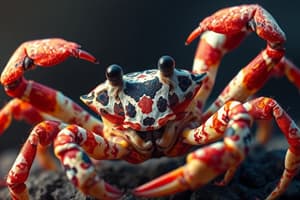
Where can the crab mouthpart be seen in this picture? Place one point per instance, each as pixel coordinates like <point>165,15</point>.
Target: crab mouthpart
<point>87,98</point>
<point>200,77</point>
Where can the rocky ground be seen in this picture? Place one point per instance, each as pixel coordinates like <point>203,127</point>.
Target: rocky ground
<point>256,177</point>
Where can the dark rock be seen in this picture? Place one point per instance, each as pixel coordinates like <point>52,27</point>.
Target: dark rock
<point>253,177</point>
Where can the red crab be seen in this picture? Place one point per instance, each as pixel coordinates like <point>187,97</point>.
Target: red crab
<point>154,113</point>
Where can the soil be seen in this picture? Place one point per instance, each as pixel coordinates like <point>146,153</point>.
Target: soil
<point>255,179</point>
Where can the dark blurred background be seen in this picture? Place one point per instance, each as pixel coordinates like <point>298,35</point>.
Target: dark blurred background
<point>133,34</point>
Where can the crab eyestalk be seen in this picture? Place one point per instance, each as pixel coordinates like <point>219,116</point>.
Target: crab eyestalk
<point>166,65</point>
<point>114,75</point>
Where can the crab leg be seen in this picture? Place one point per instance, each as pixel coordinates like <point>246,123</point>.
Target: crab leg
<point>232,121</point>
<point>20,170</point>
<point>207,163</point>
<point>265,108</point>
<point>249,80</point>
<point>289,69</point>
<point>69,143</point>
<point>53,104</point>
<point>21,110</point>
<point>222,32</point>
<point>211,49</point>
<point>36,102</point>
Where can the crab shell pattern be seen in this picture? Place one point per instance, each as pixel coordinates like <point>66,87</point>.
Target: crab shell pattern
<point>145,100</point>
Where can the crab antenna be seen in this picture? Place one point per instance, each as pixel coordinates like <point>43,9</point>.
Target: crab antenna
<point>114,75</point>
<point>166,65</point>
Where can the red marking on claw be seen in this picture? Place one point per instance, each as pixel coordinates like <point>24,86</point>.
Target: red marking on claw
<point>209,54</point>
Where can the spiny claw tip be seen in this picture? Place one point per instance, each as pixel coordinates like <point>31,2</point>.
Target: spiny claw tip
<point>82,54</point>
<point>170,183</point>
<point>193,35</point>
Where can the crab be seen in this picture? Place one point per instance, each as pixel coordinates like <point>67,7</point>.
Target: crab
<point>154,113</point>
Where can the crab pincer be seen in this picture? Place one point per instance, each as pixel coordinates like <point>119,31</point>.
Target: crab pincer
<point>244,18</point>
<point>43,53</point>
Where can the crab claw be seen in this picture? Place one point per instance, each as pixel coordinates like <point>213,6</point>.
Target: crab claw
<point>202,166</point>
<point>170,183</point>
<point>244,18</point>
<point>43,53</point>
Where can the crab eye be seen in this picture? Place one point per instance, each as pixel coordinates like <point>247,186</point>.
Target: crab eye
<point>114,74</point>
<point>27,63</point>
<point>166,65</point>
